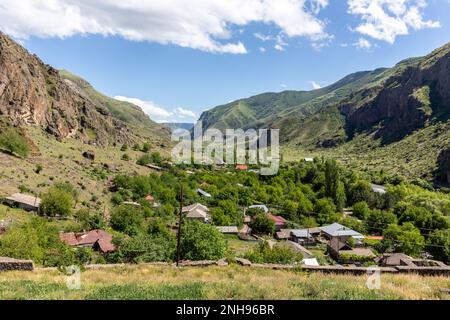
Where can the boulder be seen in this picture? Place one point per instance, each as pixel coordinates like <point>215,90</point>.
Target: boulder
<point>243,262</point>
<point>89,155</point>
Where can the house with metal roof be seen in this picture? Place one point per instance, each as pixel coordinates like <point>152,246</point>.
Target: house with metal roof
<point>198,212</point>
<point>302,236</point>
<point>340,231</point>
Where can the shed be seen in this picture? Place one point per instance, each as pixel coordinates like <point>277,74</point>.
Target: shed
<point>204,193</point>
<point>302,236</point>
<point>24,201</point>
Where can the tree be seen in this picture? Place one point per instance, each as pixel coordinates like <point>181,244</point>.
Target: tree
<point>378,220</point>
<point>14,143</point>
<point>201,241</point>
<point>361,210</point>
<point>127,219</point>
<point>325,211</point>
<point>405,239</point>
<point>56,202</point>
<point>261,224</point>
<point>438,245</point>
<point>90,221</point>
<point>360,191</point>
<point>148,248</point>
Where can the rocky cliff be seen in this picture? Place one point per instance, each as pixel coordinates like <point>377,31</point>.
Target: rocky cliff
<point>33,93</point>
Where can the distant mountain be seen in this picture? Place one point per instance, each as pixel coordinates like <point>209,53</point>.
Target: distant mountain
<point>386,109</point>
<point>175,126</point>
<point>32,93</point>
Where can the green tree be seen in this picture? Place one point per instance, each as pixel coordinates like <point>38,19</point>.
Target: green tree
<point>127,219</point>
<point>200,241</point>
<point>262,225</point>
<point>378,220</point>
<point>360,191</point>
<point>148,248</point>
<point>438,244</point>
<point>56,202</point>
<point>361,210</point>
<point>14,143</point>
<point>325,211</point>
<point>405,239</point>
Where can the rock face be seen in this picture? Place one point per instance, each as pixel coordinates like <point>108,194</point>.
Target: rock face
<point>417,93</point>
<point>32,93</point>
<point>444,166</point>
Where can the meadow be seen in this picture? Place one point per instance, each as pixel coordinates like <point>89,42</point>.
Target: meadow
<point>150,282</point>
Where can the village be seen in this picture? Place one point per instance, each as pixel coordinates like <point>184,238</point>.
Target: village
<point>327,247</point>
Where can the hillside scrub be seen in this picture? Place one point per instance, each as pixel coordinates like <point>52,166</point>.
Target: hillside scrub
<point>13,142</point>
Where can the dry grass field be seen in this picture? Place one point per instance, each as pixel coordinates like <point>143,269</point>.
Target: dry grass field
<point>232,282</point>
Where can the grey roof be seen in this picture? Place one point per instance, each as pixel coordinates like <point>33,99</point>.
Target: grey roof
<point>195,206</point>
<point>260,206</point>
<point>302,233</point>
<point>231,229</point>
<point>25,199</point>
<point>338,230</point>
<point>204,193</point>
<point>197,213</point>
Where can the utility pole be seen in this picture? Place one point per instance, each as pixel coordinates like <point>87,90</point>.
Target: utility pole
<point>180,221</point>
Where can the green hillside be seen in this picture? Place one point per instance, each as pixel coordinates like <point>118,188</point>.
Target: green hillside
<point>124,111</point>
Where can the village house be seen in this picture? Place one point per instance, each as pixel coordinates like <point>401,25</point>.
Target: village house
<point>338,248</point>
<point>24,202</point>
<point>302,236</point>
<point>280,222</point>
<point>98,239</point>
<point>283,234</point>
<point>197,212</point>
<point>228,230</point>
<point>337,230</point>
<point>401,259</point>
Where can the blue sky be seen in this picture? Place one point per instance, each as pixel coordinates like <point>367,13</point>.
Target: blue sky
<point>177,61</point>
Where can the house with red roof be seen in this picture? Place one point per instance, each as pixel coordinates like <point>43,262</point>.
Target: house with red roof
<point>280,222</point>
<point>98,239</point>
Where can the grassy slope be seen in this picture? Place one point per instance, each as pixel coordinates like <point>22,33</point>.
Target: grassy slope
<point>127,112</point>
<point>233,282</point>
<point>71,167</point>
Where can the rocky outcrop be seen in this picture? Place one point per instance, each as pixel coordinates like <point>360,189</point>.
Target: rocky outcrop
<point>418,92</point>
<point>32,93</point>
<point>444,166</point>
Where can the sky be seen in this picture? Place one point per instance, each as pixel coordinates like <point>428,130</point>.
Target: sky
<point>176,58</point>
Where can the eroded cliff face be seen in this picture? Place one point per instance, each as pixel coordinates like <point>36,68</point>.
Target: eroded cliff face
<point>32,93</point>
<point>416,94</point>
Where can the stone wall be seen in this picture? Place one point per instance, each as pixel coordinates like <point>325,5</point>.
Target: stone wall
<point>8,264</point>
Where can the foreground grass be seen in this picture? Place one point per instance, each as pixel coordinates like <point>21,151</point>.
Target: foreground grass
<point>233,282</point>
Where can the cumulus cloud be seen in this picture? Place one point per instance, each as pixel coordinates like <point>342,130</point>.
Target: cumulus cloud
<point>387,19</point>
<point>199,24</point>
<point>159,113</point>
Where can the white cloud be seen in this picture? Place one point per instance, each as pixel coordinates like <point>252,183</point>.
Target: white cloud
<point>262,49</point>
<point>284,86</point>
<point>315,85</point>
<point>199,24</point>
<point>363,44</point>
<point>387,19</point>
<point>184,113</point>
<point>159,113</point>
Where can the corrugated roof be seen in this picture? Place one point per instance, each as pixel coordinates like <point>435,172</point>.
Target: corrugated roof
<point>204,193</point>
<point>260,206</point>
<point>231,229</point>
<point>338,230</point>
<point>25,199</point>
<point>279,221</point>
<point>302,233</point>
<point>195,206</point>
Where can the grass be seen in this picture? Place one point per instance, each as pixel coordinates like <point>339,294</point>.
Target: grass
<point>168,283</point>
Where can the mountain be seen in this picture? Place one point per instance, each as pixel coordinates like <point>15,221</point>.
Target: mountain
<point>33,93</point>
<point>175,125</point>
<point>388,109</point>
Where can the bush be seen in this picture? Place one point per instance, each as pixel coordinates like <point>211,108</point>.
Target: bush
<point>39,169</point>
<point>144,160</point>
<point>348,258</point>
<point>90,221</point>
<point>146,147</point>
<point>147,248</point>
<point>127,219</point>
<point>200,241</point>
<point>262,225</point>
<point>279,254</point>
<point>125,157</point>
<point>56,202</point>
<point>124,148</point>
<point>14,143</point>
<point>361,210</point>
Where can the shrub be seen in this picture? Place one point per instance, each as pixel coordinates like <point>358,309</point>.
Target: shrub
<point>14,143</point>
<point>144,160</point>
<point>125,157</point>
<point>124,148</point>
<point>200,241</point>
<point>127,219</point>
<point>39,169</point>
<point>278,254</point>
<point>56,202</point>
<point>262,225</point>
<point>146,147</point>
